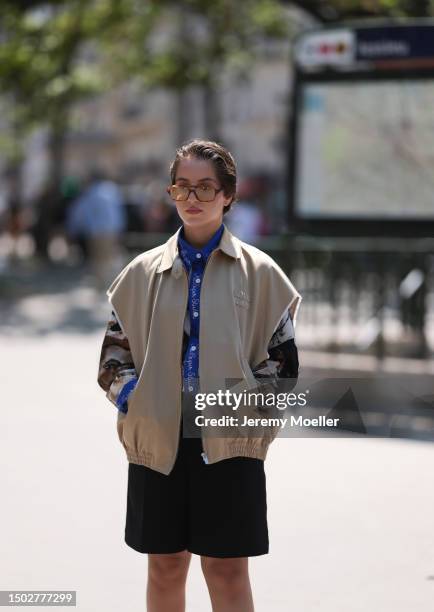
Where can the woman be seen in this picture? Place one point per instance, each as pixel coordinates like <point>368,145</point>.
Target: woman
<point>191,316</point>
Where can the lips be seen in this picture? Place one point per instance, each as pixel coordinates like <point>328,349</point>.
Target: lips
<point>193,209</point>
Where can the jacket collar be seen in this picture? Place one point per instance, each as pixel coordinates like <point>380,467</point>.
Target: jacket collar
<point>229,244</point>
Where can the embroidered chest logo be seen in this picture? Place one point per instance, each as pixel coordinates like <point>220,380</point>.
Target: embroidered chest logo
<point>242,298</point>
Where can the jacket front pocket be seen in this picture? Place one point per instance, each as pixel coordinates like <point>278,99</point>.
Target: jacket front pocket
<point>120,426</point>
<point>132,393</point>
<point>248,373</point>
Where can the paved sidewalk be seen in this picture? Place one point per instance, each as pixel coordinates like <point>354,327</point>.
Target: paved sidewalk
<point>350,519</point>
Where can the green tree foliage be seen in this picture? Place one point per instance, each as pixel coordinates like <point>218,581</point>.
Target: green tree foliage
<point>50,59</point>
<point>199,39</point>
<point>56,52</point>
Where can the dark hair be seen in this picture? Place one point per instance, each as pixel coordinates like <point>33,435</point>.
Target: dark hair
<point>219,156</point>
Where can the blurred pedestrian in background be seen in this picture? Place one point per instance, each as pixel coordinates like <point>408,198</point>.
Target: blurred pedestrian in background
<point>13,220</point>
<point>160,214</point>
<point>245,220</point>
<point>98,216</point>
<point>49,214</point>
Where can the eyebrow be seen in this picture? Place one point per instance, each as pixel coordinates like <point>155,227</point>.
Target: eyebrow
<point>208,178</point>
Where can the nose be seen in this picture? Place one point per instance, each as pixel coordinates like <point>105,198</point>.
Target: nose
<point>194,197</point>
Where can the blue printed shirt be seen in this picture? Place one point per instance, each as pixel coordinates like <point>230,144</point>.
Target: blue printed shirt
<point>194,260</point>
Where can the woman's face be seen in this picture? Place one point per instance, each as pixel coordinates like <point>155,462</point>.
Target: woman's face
<point>192,172</point>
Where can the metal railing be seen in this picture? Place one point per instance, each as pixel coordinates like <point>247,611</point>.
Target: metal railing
<point>367,295</point>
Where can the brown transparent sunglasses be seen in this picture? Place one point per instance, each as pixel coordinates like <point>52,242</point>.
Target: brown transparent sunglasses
<point>203,193</point>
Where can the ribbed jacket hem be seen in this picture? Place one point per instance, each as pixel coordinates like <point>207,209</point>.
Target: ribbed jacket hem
<point>147,459</point>
<point>247,448</point>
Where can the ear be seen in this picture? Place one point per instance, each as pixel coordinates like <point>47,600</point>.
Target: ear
<point>228,201</point>
<point>227,208</point>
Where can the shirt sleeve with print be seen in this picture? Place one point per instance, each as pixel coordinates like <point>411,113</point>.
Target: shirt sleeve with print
<point>116,374</point>
<point>283,357</point>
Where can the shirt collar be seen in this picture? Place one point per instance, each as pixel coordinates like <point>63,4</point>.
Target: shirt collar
<point>190,252</point>
<point>229,244</point>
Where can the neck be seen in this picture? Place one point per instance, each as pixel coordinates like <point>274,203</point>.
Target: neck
<point>199,236</point>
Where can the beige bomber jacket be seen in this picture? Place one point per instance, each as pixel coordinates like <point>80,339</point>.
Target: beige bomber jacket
<point>244,294</point>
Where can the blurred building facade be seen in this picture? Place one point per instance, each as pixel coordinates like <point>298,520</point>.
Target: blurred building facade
<point>131,132</point>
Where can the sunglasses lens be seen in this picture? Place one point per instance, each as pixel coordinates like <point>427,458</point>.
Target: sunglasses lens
<point>205,194</point>
<point>178,193</point>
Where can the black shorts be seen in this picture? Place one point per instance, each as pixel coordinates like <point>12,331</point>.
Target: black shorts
<point>215,510</point>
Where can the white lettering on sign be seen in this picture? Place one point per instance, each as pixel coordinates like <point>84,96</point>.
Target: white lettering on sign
<point>397,48</point>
